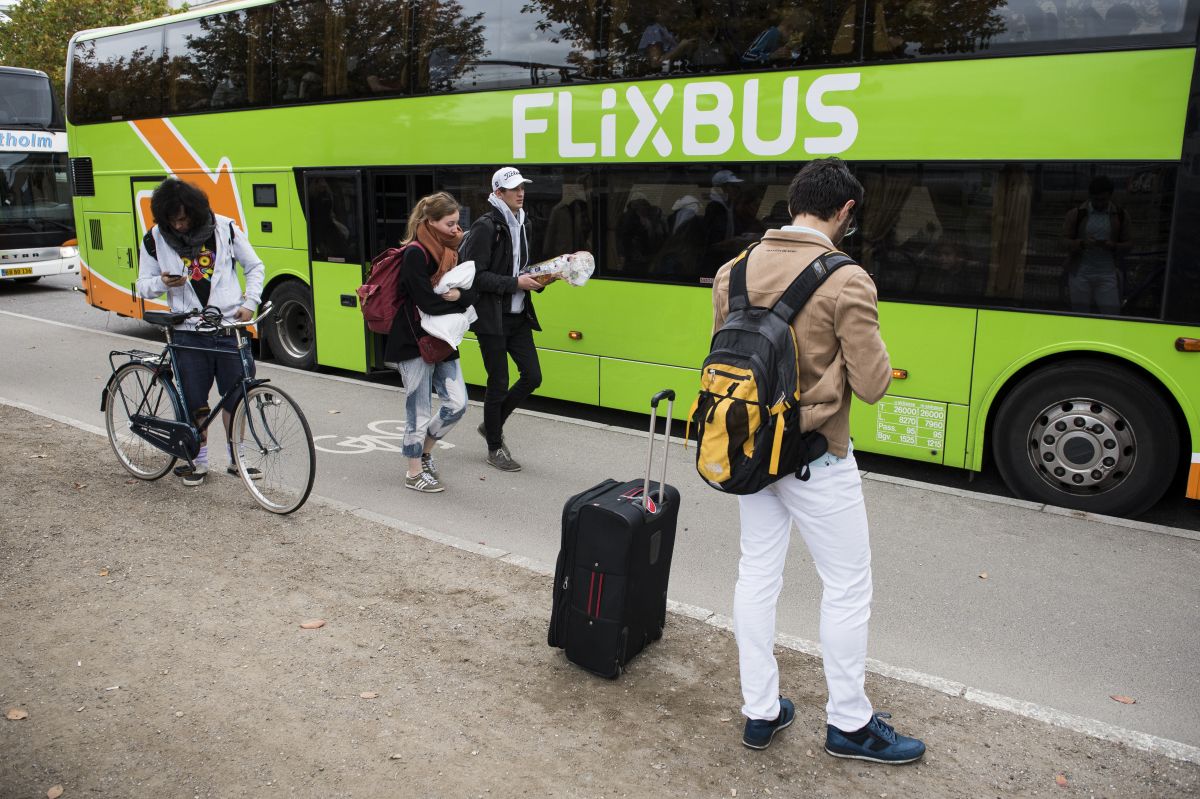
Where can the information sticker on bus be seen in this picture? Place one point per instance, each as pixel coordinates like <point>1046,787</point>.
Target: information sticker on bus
<point>913,423</point>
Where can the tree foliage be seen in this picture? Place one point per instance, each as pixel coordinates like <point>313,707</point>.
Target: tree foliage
<point>38,31</point>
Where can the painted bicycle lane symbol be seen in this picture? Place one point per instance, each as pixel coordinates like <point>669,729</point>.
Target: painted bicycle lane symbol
<point>386,435</point>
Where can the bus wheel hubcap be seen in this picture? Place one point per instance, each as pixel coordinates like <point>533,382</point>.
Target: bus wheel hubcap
<point>1082,446</point>
<point>295,329</point>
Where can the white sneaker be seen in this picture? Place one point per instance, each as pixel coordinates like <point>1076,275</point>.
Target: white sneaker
<point>195,477</point>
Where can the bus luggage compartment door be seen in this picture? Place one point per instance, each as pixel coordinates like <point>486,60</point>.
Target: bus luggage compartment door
<point>924,414</point>
<point>107,250</point>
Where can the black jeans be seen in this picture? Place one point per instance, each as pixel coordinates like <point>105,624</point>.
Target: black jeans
<point>499,401</point>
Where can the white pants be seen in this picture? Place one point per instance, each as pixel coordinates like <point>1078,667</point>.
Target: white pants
<point>830,513</point>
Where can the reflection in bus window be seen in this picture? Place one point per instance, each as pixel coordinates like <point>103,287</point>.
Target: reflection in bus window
<point>378,37</point>
<point>489,44</point>
<point>300,29</point>
<point>118,77</point>
<point>1001,236</point>
<point>216,62</point>
<point>917,28</point>
<point>333,223</point>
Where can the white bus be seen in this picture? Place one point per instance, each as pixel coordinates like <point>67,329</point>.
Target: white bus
<point>37,228</point>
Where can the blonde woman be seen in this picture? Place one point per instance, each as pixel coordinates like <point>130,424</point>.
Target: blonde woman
<point>434,236</point>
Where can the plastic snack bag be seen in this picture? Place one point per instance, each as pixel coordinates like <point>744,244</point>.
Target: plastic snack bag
<point>575,268</point>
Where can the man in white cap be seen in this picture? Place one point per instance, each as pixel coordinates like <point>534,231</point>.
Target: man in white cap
<point>498,243</point>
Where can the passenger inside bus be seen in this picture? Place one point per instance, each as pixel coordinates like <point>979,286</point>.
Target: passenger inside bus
<point>780,42</point>
<point>659,48</point>
<point>569,224</point>
<point>641,231</point>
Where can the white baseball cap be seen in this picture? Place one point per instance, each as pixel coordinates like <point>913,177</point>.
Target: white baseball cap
<point>507,177</point>
<point>725,176</point>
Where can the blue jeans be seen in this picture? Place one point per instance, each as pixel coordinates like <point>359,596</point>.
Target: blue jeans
<point>197,369</point>
<point>421,380</point>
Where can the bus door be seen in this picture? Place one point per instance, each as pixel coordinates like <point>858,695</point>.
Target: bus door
<point>393,195</point>
<point>338,258</point>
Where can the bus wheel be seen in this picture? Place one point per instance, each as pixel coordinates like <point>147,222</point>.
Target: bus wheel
<point>290,330</point>
<point>1086,436</point>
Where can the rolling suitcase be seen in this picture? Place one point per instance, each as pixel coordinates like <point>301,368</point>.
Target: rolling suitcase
<point>610,582</point>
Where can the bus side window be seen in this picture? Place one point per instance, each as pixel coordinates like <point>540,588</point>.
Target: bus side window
<point>299,31</point>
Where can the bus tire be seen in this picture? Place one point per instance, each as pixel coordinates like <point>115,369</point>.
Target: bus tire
<point>1087,436</point>
<point>290,331</point>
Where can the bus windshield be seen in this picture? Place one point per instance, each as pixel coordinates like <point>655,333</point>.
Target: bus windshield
<point>26,100</point>
<point>35,195</point>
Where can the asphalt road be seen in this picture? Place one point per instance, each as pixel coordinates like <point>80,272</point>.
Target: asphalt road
<point>55,298</point>
<point>1049,609</point>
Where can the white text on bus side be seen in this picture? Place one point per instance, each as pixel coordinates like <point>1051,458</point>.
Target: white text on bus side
<point>715,120</point>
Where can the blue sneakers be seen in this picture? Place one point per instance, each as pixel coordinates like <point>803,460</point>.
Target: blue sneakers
<point>876,742</point>
<point>759,732</point>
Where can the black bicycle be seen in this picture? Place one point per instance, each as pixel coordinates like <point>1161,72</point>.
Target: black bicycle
<point>149,427</point>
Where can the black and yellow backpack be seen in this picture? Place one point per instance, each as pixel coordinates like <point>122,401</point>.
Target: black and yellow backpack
<point>747,414</point>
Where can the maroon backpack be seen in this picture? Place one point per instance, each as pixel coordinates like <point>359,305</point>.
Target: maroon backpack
<point>379,297</point>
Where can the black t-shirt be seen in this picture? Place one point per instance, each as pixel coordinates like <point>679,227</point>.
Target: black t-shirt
<point>199,270</point>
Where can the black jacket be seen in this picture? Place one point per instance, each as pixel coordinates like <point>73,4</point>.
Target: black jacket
<point>416,291</point>
<point>489,245</point>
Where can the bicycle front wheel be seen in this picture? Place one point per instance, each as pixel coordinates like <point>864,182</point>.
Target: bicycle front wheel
<point>273,449</point>
<point>135,389</point>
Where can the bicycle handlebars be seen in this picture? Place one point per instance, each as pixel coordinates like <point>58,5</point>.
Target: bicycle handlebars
<point>211,320</point>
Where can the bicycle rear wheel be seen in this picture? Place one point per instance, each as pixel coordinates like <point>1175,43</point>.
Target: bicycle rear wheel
<point>132,382</point>
<point>273,449</point>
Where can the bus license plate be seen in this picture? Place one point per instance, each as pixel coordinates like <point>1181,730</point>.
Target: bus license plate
<point>20,270</point>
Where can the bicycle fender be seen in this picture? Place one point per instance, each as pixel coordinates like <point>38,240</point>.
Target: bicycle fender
<point>105,392</point>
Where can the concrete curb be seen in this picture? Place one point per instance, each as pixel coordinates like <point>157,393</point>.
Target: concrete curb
<point>882,478</point>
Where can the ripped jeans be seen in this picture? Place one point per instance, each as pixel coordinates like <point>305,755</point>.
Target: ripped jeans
<point>421,380</point>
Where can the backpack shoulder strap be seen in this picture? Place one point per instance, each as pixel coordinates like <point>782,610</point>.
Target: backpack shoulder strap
<point>148,243</point>
<point>806,283</point>
<point>739,297</point>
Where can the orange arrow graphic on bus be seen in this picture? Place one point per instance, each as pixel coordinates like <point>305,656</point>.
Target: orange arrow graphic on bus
<point>179,159</point>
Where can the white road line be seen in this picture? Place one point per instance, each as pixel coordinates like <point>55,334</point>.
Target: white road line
<point>1113,521</point>
<point>1176,750</point>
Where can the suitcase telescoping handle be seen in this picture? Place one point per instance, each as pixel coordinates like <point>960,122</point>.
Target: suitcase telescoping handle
<point>668,395</point>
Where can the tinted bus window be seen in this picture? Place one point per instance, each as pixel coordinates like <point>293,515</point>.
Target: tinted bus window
<point>725,35</point>
<point>681,224</point>
<point>218,62</point>
<point>492,44</point>
<point>920,28</point>
<point>117,77</point>
<point>1090,239</point>
<point>378,51</point>
<point>299,32</point>
<point>27,100</point>
<point>334,225</point>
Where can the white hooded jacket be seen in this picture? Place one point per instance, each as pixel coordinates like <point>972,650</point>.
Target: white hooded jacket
<point>225,293</point>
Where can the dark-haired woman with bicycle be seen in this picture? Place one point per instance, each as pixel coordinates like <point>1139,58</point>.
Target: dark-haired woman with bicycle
<point>189,255</point>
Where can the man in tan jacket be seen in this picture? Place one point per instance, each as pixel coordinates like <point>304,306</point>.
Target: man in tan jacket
<point>840,352</point>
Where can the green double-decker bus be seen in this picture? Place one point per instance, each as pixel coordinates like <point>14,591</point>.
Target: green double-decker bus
<point>1032,171</point>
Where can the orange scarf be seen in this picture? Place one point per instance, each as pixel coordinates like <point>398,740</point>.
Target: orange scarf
<point>441,248</point>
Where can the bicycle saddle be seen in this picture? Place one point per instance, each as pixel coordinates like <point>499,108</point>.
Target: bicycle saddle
<point>166,318</point>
